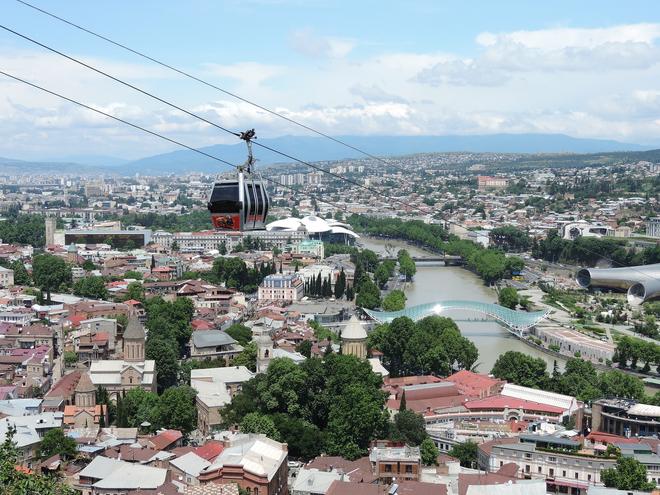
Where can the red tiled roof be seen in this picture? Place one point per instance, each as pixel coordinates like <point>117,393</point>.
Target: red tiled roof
<point>65,386</point>
<point>469,382</point>
<point>210,450</point>
<point>502,402</point>
<point>165,439</point>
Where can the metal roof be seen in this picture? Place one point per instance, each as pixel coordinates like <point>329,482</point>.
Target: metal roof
<point>210,338</point>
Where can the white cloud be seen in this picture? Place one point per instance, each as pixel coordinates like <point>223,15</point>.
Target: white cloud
<point>506,55</point>
<point>310,44</point>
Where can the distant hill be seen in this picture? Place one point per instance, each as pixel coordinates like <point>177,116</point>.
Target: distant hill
<point>312,148</point>
<point>10,166</point>
<point>320,149</point>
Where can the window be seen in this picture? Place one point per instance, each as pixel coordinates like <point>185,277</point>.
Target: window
<point>528,456</point>
<point>409,469</point>
<point>588,477</point>
<point>388,468</point>
<point>539,469</point>
<point>527,468</point>
<point>552,472</point>
<point>552,459</point>
<point>563,473</point>
<point>576,475</point>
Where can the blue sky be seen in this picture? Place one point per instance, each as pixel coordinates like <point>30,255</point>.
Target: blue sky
<point>587,69</point>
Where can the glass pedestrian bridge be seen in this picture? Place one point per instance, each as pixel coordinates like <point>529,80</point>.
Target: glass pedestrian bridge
<point>516,321</point>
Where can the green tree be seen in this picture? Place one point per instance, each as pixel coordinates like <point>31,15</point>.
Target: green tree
<point>132,274</point>
<point>70,358</point>
<point>177,410</point>
<point>21,275</point>
<point>56,442</point>
<point>259,423</point>
<point>167,363</point>
<point>628,474</point>
<point>240,333</point>
<point>134,291</point>
<point>305,348</point>
<point>508,297</point>
<point>247,357</point>
<point>466,453</point>
<point>15,482</point>
<point>50,273</point>
<point>431,346</point>
<point>615,383</point>
<point>139,406</point>
<point>429,452</point>
<point>409,427</point>
<point>406,264</point>
<point>521,369</point>
<point>368,295</point>
<point>394,301</point>
<point>88,265</point>
<point>340,285</point>
<point>92,287</point>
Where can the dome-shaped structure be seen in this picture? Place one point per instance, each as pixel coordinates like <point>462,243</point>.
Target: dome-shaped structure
<point>134,340</point>
<point>85,393</point>
<point>354,339</point>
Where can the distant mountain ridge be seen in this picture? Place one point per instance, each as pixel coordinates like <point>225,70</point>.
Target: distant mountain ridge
<point>313,148</point>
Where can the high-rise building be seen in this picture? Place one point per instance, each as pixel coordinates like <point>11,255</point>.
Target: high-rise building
<point>653,227</point>
<point>51,225</point>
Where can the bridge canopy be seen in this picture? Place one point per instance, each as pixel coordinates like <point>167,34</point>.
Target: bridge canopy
<point>519,321</point>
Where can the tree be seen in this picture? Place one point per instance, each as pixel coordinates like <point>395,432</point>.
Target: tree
<point>56,442</point>
<point>394,301</point>
<point>628,474</point>
<point>340,285</point>
<point>616,383</point>
<point>368,295</point>
<point>166,357</point>
<point>88,265</point>
<point>406,264</point>
<point>508,297</point>
<point>176,409</point>
<point>21,275</point>
<point>240,333</point>
<point>433,345</point>
<point>521,369</point>
<point>466,453</point>
<point>247,357</point>
<point>429,452</point>
<point>403,404</point>
<point>259,423</point>
<point>135,291</point>
<point>132,274</point>
<point>175,246</point>
<point>92,287</point>
<point>18,482</point>
<point>305,348</point>
<point>50,273</point>
<point>409,427</point>
<point>70,358</point>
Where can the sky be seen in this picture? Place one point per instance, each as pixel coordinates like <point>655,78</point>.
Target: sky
<point>586,69</point>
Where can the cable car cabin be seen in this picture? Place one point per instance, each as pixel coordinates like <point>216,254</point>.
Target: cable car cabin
<point>239,204</point>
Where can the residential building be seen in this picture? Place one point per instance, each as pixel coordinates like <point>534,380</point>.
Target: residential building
<point>106,476</point>
<point>215,388</point>
<point>288,287</point>
<point>400,463</point>
<point>485,182</point>
<point>29,432</point>
<point>315,482</point>
<point>6,277</point>
<point>255,462</point>
<point>213,344</point>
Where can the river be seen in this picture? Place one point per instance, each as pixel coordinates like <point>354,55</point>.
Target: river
<point>438,282</point>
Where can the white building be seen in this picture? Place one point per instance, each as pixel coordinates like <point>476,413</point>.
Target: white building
<point>653,227</point>
<point>6,277</point>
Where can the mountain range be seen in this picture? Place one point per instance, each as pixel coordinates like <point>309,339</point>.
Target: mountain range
<point>312,148</point>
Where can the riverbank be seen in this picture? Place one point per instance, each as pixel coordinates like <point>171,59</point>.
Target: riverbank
<point>437,282</point>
